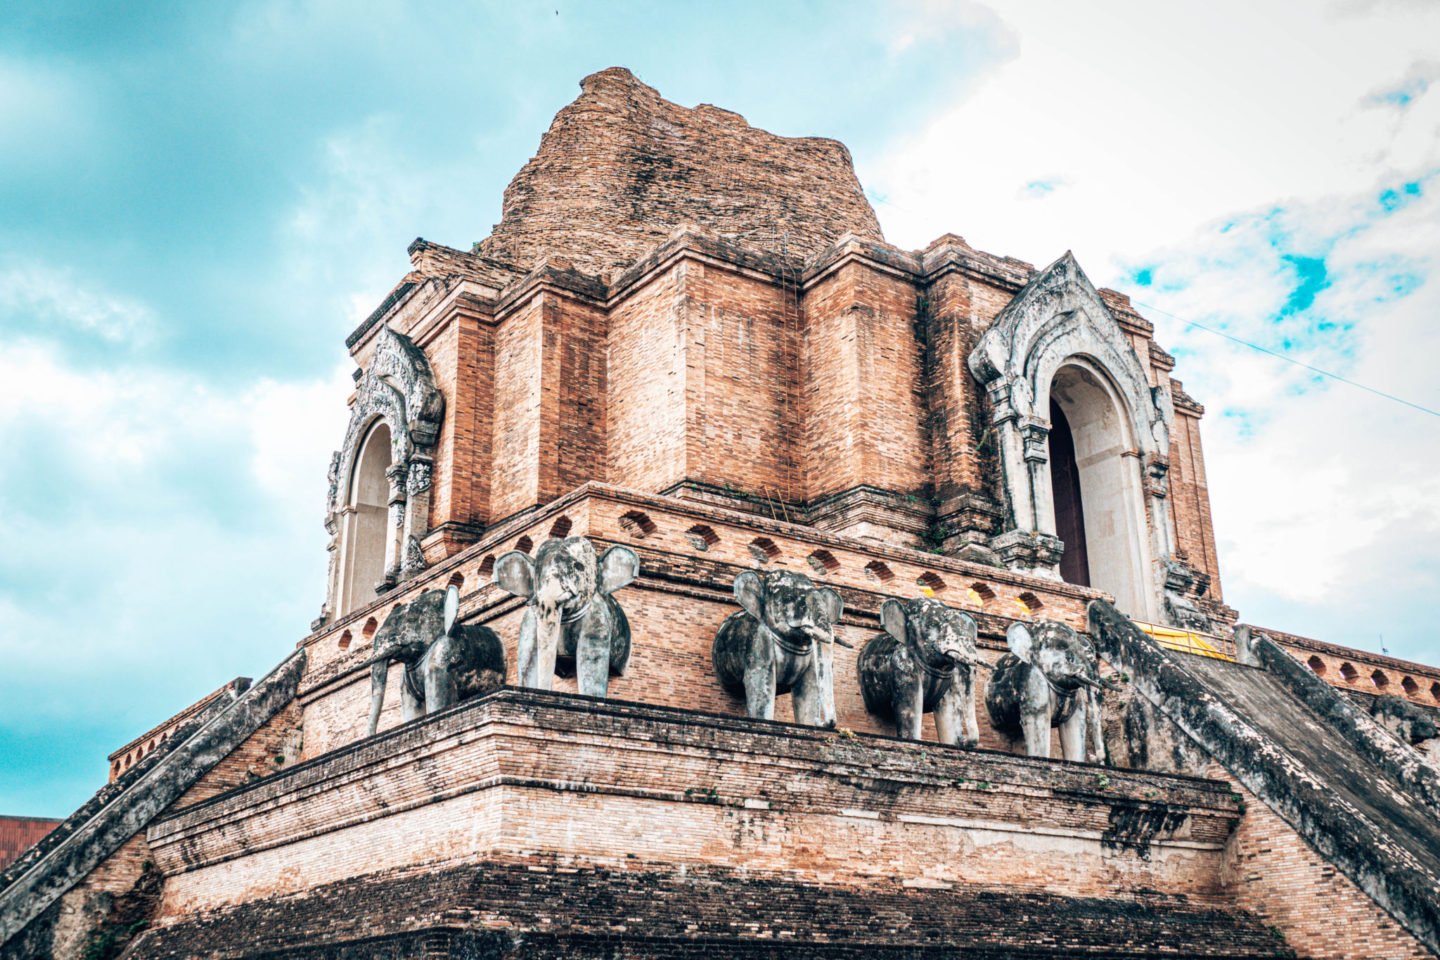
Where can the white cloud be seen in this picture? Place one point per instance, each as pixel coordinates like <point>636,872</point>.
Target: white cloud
<point>181,503</point>
<point>45,296</point>
<point>1159,118</point>
<point>1208,143</point>
<point>293,429</point>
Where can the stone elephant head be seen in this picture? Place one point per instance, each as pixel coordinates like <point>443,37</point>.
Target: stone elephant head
<point>1044,682</point>
<point>923,663</point>
<point>445,661</point>
<point>572,622</point>
<point>781,640</point>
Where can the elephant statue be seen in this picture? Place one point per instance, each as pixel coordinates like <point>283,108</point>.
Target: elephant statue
<point>445,662</point>
<point>1046,680</point>
<point>781,641</point>
<point>1093,699</point>
<point>573,625</point>
<point>923,663</point>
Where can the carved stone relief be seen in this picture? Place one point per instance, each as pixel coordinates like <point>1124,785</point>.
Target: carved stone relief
<point>781,641</point>
<point>1059,320</point>
<point>1048,679</point>
<point>398,389</point>
<point>572,623</point>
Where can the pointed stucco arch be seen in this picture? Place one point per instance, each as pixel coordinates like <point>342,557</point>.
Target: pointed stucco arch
<point>397,390</point>
<point>1058,320</point>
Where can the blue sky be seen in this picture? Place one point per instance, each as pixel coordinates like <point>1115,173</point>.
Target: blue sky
<point>198,202</point>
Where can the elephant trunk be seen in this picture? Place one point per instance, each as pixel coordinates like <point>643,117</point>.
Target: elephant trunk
<point>379,673</point>
<point>550,600</point>
<point>962,656</point>
<point>819,634</point>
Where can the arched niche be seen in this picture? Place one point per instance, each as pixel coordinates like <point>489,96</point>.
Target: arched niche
<point>1096,489</point>
<point>365,516</point>
<point>1058,336</point>
<point>381,477</point>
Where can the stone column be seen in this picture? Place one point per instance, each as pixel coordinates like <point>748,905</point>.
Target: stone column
<point>418,483</point>
<point>395,523</point>
<point>1029,544</point>
<point>332,573</point>
<point>1035,441</point>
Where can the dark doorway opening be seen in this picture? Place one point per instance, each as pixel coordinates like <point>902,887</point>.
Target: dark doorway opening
<point>1069,512</point>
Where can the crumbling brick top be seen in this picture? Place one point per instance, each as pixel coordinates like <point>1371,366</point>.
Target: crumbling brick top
<point>621,167</point>
<point>548,907</point>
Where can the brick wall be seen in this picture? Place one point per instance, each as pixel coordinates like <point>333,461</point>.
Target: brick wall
<point>864,406</point>
<point>573,395</point>
<point>461,355</point>
<point>18,834</point>
<point>1190,497</point>
<point>527,909</point>
<point>742,403</point>
<point>1273,873</point>
<point>1363,671</point>
<point>515,467</point>
<point>647,383</point>
<point>605,782</point>
<point>957,310</point>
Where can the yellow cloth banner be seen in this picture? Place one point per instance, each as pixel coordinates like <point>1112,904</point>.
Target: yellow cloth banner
<point>1185,641</point>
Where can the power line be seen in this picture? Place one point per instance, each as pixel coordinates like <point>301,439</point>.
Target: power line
<point>1253,346</point>
<point>1298,363</point>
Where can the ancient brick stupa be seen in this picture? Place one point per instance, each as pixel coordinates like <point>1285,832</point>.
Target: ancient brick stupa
<point>710,577</point>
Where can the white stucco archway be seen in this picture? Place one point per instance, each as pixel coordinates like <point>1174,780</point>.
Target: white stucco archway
<point>385,462</point>
<point>1058,331</point>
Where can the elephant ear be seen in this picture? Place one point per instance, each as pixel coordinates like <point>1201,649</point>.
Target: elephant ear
<point>1020,641</point>
<point>452,608</point>
<point>515,572</point>
<point>619,566</point>
<point>892,618</point>
<point>750,592</point>
<point>827,605</point>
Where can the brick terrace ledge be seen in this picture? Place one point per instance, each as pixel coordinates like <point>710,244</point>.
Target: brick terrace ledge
<point>520,772</point>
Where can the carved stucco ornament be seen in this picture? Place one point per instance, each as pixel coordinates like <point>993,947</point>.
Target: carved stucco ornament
<point>399,389</point>
<point>1059,319</point>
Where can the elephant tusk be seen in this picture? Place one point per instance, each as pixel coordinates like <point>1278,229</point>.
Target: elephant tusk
<point>1093,684</point>
<point>982,664</point>
<point>844,643</point>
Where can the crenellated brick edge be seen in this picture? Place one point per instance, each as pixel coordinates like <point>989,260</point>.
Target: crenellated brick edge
<point>1403,764</point>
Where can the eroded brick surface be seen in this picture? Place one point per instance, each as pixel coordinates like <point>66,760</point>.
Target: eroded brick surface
<point>546,907</point>
<point>621,166</point>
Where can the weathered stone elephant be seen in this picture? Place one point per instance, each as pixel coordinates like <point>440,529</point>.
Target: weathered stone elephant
<point>923,663</point>
<point>572,624</point>
<point>1045,681</point>
<point>781,641</point>
<point>445,662</point>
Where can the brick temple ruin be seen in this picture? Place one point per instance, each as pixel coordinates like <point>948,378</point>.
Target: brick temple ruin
<point>769,451</point>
